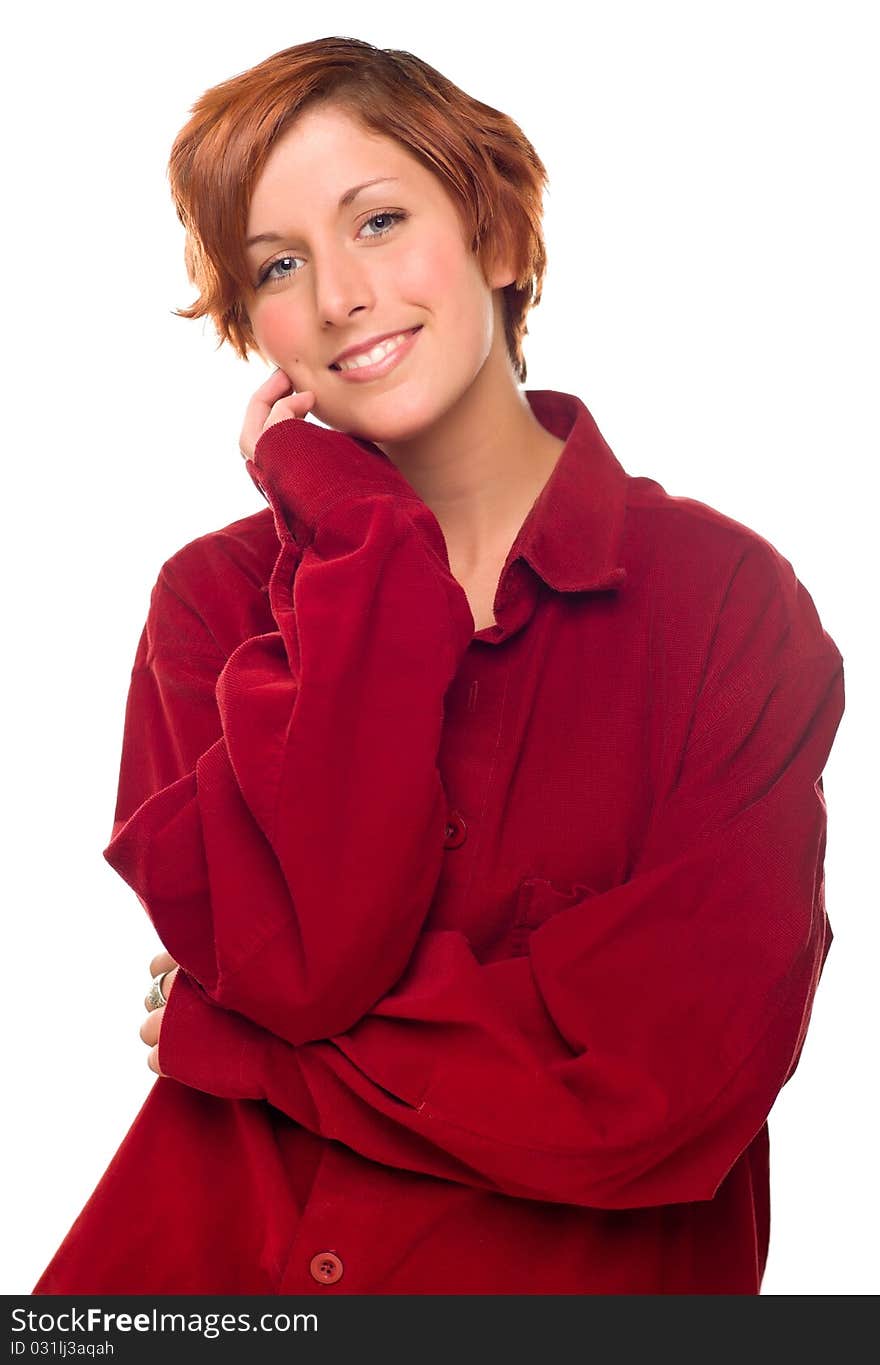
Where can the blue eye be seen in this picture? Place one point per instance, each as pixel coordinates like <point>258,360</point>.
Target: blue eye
<point>389,215</point>
<point>393,217</point>
<point>267,273</point>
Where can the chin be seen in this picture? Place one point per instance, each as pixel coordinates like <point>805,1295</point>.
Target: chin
<point>399,426</point>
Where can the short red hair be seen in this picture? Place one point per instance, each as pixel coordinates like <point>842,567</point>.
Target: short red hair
<point>486,164</point>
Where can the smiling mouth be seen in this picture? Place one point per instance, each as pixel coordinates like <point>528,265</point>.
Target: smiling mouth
<point>363,360</point>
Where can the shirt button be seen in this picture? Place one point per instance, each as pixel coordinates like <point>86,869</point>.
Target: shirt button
<point>326,1267</point>
<point>456,830</point>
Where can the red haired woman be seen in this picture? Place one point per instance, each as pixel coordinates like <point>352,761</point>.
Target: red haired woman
<point>473,786</point>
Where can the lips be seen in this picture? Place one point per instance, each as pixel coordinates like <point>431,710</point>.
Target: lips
<point>368,345</point>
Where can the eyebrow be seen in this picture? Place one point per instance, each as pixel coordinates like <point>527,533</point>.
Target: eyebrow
<point>345,200</point>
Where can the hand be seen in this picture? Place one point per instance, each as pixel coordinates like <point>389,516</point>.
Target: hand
<point>150,1028</point>
<point>272,402</point>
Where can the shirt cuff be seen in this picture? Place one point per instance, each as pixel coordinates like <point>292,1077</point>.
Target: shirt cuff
<point>309,469</point>
<point>208,1048</point>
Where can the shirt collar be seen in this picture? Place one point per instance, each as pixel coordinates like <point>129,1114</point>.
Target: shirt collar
<point>573,532</point>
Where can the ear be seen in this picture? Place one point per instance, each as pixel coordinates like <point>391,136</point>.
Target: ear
<point>502,273</point>
<point>500,269</point>
<point>502,277</point>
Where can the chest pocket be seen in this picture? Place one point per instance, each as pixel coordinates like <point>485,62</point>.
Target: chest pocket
<point>537,900</point>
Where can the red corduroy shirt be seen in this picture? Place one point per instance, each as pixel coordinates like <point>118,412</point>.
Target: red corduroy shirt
<point>496,948</point>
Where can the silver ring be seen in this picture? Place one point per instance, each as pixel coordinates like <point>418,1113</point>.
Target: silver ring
<point>155,995</point>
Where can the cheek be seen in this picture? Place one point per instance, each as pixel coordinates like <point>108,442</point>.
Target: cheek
<point>276,331</point>
<point>420,273</point>
<point>445,278</point>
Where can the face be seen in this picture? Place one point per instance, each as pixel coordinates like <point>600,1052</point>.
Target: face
<point>393,259</point>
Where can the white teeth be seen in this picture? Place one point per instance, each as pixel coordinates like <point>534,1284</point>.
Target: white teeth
<point>357,362</point>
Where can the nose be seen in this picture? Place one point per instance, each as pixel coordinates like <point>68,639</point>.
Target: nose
<point>342,288</point>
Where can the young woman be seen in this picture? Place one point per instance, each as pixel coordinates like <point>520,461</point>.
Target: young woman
<point>473,786</point>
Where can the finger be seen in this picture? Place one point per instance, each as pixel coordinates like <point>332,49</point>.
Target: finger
<point>289,407</point>
<point>149,1029</point>
<point>295,405</point>
<point>153,1061</point>
<point>161,963</point>
<point>167,987</point>
<point>167,981</point>
<point>261,405</point>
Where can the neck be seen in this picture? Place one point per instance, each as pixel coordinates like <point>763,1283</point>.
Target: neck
<point>480,467</point>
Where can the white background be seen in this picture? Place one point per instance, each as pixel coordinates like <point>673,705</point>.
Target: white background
<point>712,296</point>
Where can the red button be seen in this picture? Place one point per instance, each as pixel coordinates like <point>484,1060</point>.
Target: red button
<point>456,830</point>
<point>326,1267</point>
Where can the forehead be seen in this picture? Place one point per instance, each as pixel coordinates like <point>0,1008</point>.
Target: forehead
<point>322,155</point>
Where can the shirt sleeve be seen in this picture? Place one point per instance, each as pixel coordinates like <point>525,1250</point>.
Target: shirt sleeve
<point>281,815</point>
<point>630,1057</point>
